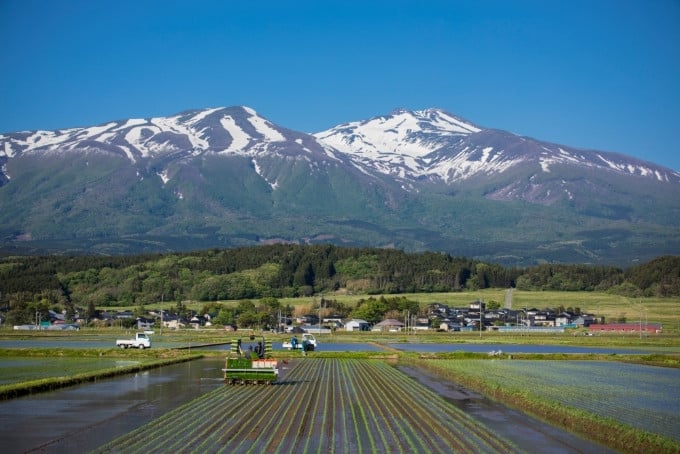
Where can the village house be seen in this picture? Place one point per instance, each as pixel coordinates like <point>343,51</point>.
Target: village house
<point>422,324</point>
<point>357,324</point>
<point>144,323</point>
<point>389,324</point>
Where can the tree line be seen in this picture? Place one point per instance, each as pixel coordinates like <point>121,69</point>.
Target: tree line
<point>297,270</point>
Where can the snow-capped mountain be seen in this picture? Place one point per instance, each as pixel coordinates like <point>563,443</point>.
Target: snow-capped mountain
<point>400,144</point>
<point>416,180</point>
<point>435,144</point>
<point>235,131</point>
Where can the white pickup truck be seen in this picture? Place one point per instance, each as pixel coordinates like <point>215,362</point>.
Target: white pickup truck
<point>140,341</point>
<point>307,338</point>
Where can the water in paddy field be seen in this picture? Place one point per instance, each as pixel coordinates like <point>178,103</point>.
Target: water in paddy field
<point>83,417</point>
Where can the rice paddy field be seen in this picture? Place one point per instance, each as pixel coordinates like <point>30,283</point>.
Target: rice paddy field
<point>19,369</point>
<point>645,397</point>
<point>322,406</point>
<point>360,402</point>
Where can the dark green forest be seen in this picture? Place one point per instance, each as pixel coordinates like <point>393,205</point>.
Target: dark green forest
<point>292,270</point>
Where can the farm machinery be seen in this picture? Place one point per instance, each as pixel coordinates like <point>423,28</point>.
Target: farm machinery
<point>308,343</point>
<point>252,364</point>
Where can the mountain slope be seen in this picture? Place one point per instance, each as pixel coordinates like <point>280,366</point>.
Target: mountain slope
<point>444,153</point>
<point>417,180</point>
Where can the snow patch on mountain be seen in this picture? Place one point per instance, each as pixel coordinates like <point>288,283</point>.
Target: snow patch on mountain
<point>413,144</point>
<point>259,171</point>
<point>266,129</point>
<point>164,176</point>
<point>6,149</point>
<point>404,134</point>
<point>128,152</point>
<point>240,139</point>
<point>466,164</point>
<point>172,124</point>
<point>203,114</point>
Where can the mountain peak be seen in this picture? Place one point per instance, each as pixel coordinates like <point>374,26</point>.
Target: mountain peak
<point>399,141</point>
<point>217,129</point>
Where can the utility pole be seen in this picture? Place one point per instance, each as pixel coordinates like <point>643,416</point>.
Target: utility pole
<point>161,330</point>
<point>480,319</point>
<point>640,321</point>
<point>406,322</point>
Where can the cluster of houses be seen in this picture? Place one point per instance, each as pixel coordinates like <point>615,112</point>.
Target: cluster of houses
<point>439,317</point>
<point>442,318</point>
<point>476,314</point>
<point>164,318</point>
<point>114,318</point>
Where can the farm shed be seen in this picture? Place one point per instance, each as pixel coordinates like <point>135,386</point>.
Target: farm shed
<point>357,325</point>
<point>627,327</point>
<point>389,324</point>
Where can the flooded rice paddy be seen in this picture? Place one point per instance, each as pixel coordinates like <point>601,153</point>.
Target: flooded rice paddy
<point>84,417</point>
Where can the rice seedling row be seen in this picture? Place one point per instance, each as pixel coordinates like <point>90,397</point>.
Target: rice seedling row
<point>286,421</point>
<point>459,417</point>
<point>321,405</point>
<point>356,413</point>
<point>444,422</point>
<point>645,397</point>
<point>395,405</point>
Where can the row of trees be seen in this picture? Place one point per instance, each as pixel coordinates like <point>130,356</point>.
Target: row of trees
<point>265,313</point>
<point>64,282</point>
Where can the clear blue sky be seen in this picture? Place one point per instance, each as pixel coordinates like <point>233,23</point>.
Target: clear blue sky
<point>594,74</point>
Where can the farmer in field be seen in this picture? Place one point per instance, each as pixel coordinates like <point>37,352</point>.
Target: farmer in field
<point>305,347</point>
<point>294,342</point>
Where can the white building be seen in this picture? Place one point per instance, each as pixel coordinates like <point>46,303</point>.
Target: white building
<point>357,324</point>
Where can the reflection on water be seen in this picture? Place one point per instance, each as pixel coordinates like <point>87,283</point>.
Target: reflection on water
<point>510,348</point>
<point>83,417</point>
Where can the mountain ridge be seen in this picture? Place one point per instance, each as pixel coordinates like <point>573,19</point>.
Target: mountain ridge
<point>416,180</point>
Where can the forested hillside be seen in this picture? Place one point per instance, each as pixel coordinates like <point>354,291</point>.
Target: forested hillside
<point>292,270</point>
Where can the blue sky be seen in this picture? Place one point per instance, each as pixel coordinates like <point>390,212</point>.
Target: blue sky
<point>594,74</point>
